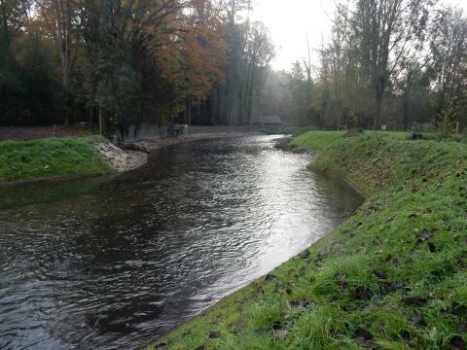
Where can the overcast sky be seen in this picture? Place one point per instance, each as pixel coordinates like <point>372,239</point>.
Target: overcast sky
<point>290,21</point>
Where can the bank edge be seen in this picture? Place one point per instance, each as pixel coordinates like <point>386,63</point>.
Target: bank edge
<point>393,276</point>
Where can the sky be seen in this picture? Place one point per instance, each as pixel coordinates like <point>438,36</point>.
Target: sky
<point>292,21</point>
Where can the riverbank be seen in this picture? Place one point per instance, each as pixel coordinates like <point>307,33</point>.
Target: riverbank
<point>63,158</point>
<point>198,133</point>
<point>393,276</point>
<point>67,158</point>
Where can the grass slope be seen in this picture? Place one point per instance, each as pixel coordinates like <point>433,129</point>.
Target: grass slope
<point>319,140</point>
<point>52,157</point>
<point>316,140</point>
<point>394,276</point>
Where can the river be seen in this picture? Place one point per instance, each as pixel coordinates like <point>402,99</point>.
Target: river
<point>110,263</point>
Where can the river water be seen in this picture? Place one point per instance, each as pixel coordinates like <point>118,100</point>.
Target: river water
<point>111,263</point>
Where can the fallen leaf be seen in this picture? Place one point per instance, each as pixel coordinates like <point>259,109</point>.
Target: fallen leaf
<point>457,342</point>
<point>414,301</point>
<point>270,278</point>
<point>380,274</point>
<point>363,337</point>
<point>423,236</point>
<point>281,334</point>
<point>418,320</point>
<point>214,334</point>
<point>363,293</point>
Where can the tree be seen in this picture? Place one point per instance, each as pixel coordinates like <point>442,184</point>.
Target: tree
<point>382,33</point>
<point>448,60</point>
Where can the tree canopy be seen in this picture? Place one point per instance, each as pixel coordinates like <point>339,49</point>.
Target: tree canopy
<point>64,61</point>
<point>395,63</point>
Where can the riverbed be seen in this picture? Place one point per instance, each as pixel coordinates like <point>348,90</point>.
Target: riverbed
<point>111,263</point>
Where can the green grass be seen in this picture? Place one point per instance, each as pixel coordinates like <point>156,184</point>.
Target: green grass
<point>393,276</point>
<point>316,140</point>
<point>48,158</point>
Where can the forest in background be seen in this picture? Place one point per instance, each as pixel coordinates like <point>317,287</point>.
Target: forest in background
<point>126,61</point>
<point>395,63</point>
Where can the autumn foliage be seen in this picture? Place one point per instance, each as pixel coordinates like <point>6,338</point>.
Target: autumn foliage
<point>114,62</point>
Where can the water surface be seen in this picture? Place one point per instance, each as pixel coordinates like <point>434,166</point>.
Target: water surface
<point>111,263</point>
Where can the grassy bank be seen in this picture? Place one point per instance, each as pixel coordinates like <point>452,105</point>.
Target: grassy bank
<point>394,276</point>
<point>316,140</point>
<point>49,158</point>
<point>319,140</point>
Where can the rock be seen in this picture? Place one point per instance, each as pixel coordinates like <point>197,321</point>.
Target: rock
<point>118,159</point>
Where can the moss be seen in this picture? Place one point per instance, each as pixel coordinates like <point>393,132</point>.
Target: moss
<point>393,276</point>
<point>48,158</point>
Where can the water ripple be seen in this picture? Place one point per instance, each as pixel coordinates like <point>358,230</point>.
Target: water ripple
<point>111,263</point>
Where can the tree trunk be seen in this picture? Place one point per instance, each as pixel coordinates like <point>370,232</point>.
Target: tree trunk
<point>379,105</point>
<point>405,112</point>
<point>101,127</point>
<point>189,111</point>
